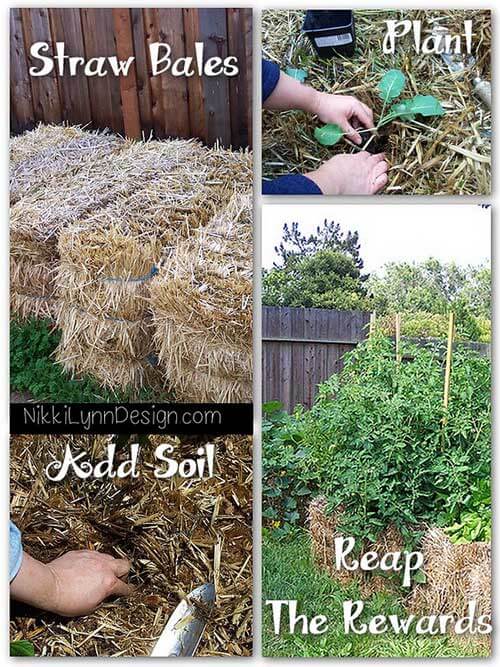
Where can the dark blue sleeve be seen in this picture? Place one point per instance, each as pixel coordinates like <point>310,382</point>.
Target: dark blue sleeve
<point>291,184</point>
<point>270,78</point>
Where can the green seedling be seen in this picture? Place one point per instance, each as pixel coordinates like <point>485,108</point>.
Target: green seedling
<point>298,74</point>
<point>390,88</point>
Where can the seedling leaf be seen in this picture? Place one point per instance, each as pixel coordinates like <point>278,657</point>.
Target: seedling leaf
<point>328,135</point>
<point>391,85</point>
<point>21,647</point>
<point>426,105</point>
<point>299,74</point>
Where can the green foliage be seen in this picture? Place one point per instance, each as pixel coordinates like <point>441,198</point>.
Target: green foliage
<point>435,325</point>
<point>288,484</point>
<point>391,85</point>
<point>21,648</point>
<point>328,135</point>
<point>327,279</point>
<point>328,236</point>
<point>298,74</point>
<point>32,368</point>
<point>422,290</point>
<point>473,522</point>
<point>420,105</point>
<point>288,573</point>
<point>379,443</point>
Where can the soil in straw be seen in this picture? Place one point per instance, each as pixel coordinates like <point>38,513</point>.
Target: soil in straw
<point>445,155</point>
<point>177,534</point>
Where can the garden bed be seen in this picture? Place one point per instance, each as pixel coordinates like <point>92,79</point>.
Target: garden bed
<point>447,155</point>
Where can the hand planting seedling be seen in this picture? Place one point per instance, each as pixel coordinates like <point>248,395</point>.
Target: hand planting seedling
<point>390,88</point>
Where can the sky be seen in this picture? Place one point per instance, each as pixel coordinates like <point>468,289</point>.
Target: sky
<point>391,232</point>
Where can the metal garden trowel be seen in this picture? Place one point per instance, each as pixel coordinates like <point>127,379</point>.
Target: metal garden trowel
<point>184,630</point>
<point>459,63</point>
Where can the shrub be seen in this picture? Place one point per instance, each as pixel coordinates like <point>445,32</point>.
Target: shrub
<point>32,368</point>
<point>379,443</point>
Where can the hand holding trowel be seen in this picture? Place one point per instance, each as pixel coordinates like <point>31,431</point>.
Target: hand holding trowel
<point>184,630</point>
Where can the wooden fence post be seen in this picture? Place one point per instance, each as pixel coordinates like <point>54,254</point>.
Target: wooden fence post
<point>371,330</point>
<point>449,354</point>
<point>398,338</point>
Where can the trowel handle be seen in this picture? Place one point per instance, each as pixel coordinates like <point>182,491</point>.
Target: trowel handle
<point>483,90</point>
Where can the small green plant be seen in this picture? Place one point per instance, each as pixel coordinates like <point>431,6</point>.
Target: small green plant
<point>33,369</point>
<point>390,88</point>
<point>473,521</point>
<point>21,647</point>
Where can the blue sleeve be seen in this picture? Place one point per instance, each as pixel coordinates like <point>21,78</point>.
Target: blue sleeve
<point>270,78</point>
<point>15,550</point>
<point>291,184</point>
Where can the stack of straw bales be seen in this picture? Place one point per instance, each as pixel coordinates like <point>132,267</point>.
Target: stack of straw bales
<point>89,244</point>
<point>41,160</point>
<point>202,308</point>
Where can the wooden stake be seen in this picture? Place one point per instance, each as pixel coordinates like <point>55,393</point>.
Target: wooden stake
<point>398,338</point>
<point>449,353</point>
<point>373,317</point>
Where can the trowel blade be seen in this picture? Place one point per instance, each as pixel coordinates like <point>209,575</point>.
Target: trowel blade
<point>183,632</point>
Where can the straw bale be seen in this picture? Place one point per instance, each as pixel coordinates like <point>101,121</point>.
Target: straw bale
<point>324,527</point>
<point>104,361</point>
<point>65,151</point>
<point>108,228</point>
<point>32,290</point>
<point>177,534</point>
<point>201,304</point>
<point>456,574</point>
<point>43,214</point>
<point>24,146</point>
<point>197,385</point>
<point>445,155</point>
<point>24,306</point>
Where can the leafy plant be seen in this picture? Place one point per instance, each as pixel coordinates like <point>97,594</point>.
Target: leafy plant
<point>297,73</point>
<point>287,484</point>
<point>329,134</point>
<point>32,368</point>
<point>391,85</point>
<point>379,444</point>
<point>473,522</point>
<point>21,647</point>
<point>390,88</point>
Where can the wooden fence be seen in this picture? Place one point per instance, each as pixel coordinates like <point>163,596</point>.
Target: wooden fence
<point>211,108</point>
<point>302,347</point>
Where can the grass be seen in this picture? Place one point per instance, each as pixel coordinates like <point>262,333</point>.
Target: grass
<point>288,574</point>
<point>33,370</point>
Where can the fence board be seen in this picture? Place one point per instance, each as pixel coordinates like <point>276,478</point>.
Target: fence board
<point>128,83</point>
<point>44,89</point>
<point>211,108</point>
<point>105,98</point>
<point>142,70</point>
<point>303,347</point>
<point>212,31</point>
<point>174,88</point>
<point>66,26</point>
<point>21,105</point>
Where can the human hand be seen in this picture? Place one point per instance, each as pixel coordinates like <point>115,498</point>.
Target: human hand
<point>346,111</point>
<point>358,174</point>
<point>74,584</point>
